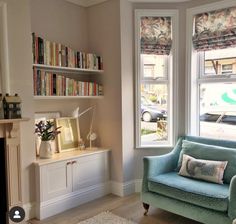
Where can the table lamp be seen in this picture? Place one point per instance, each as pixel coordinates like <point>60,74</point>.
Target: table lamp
<point>91,135</point>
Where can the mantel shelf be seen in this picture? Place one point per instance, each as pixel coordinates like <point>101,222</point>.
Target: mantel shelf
<point>68,69</point>
<point>66,97</point>
<point>7,121</point>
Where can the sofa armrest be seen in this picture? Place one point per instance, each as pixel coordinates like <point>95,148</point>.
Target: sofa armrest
<point>154,165</point>
<point>232,198</point>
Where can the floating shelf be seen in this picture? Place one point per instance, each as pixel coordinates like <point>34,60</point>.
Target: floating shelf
<point>68,69</point>
<point>66,97</point>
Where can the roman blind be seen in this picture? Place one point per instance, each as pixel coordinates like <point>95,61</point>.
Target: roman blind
<point>215,29</point>
<point>155,35</point>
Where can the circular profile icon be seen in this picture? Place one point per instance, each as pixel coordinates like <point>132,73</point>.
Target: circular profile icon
<point>17,214</point>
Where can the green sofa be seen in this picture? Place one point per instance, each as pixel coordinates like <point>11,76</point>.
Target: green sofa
<point>202,201</point>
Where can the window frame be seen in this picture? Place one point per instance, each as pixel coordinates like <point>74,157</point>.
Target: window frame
<point>195,69</point>
<point>171,78</point>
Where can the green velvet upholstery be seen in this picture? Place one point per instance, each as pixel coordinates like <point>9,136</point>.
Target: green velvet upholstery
<point>202,201</point>
<point>232,199</point>
<point>191,190</point>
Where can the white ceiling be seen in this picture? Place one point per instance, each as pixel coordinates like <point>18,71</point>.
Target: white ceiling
<point>87,3</point>
<point>158,1</point>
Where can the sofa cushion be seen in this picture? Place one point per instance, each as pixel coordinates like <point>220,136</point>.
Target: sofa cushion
<point>211,152</point>
<point>202,169</point>
<point>201,193</point>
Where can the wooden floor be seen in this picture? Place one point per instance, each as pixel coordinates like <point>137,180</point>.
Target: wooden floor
<point>128,207</point>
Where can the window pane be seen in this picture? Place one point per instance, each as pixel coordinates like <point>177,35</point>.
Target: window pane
<point>219,62</point>
<point>218,110</point>
<point>153,114</point>
<point>154,66</point>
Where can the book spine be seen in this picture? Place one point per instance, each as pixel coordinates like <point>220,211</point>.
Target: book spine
<point>67,63</point>
<point>54,54</point>
<point>35,81</point>
<point>42,83</point>
<point>54,85</point>
<point>33,48</point>
<point>38,84</point>
<point>59,55</point>
<point>100,90</point>
<point>41,51</point>
<point>44,53</point>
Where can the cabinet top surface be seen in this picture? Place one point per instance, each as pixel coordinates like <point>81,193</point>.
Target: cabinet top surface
<point>69,155</point>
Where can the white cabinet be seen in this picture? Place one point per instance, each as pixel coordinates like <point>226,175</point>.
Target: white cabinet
<point>90,171</point>
<point>70,179</point>
<point>56,180</point>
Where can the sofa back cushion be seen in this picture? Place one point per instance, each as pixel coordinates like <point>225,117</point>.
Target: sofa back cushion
<point>211,152</point>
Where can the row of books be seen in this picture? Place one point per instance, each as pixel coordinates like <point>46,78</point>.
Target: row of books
<point>51,84</point>
<point>55,54</point>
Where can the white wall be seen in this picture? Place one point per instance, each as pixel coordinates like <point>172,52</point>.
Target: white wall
<point>20,59</point>
<point>127,93</point>
<point>104,38</point>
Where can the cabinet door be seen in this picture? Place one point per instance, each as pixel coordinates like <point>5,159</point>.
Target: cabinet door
<point>56,180</point>
<point>90,170</point>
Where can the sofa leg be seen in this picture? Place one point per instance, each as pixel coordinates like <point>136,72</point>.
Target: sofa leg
<point>146,207</point>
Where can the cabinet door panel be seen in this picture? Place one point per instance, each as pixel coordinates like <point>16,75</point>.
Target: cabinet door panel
<point>90,170</point>
<point>56,180</point>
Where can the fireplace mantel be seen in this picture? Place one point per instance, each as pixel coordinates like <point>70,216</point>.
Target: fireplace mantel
<point>10,131</point>
<point>8,121</point>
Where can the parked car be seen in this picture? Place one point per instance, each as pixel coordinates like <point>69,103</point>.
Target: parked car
<point>151,111</point>
<point>220,125</point>
<point>219,117</point>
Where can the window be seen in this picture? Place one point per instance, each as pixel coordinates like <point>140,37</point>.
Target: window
<point>155,51</point>
<point>217,96</point>
<point>212,98</point>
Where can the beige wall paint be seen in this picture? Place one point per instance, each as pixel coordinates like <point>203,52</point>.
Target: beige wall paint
<point>127,93</point>
<point>60,21</point>
<point>104,38</point>
<point>18,15</point>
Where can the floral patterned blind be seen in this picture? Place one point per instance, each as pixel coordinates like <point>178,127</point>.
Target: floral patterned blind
<point>155,35</point>
<point>215,29</point>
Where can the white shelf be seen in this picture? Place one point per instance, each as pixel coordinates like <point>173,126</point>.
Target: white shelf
<point>68,69</point>
<point>66,97</point>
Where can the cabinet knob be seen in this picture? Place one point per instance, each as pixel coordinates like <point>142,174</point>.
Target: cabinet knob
<point>68,163</point>
<point>73,162</point>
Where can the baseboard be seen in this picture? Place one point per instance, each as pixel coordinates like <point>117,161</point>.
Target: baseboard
<point>138,185</point>
<point>60,204</point>
<point>74,199</point>
<point>122,189</point>
<point>29,210</point>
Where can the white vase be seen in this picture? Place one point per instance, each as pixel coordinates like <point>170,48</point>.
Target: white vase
<point>45,150</point>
